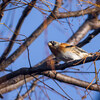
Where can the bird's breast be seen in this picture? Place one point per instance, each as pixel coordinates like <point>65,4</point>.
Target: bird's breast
<point>67,56</point>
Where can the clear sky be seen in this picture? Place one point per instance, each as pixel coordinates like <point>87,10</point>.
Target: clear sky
<point>39,50</point>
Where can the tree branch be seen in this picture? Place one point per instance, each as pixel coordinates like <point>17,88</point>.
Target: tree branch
<point>89,38</point>
<point>71,80</point>
<point>7,82</point>
<point>2,7</point>
<point>77,13</point>
<point>88,25</point>
<point>31,89</point>
<point>31,38</point>
<point>17,30</point>
<point>14,84</point>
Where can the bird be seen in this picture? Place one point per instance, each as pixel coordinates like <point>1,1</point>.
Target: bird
<point>66,52</point>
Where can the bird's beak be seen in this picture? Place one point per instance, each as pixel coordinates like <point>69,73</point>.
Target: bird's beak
<point>49,43</point>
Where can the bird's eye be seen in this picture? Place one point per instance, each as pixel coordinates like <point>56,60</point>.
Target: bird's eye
<point>53,43</point>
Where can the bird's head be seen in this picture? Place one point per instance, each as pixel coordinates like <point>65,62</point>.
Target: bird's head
<point>53,44</point>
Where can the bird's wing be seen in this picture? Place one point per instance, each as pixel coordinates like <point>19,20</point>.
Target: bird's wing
<point>81,50</point>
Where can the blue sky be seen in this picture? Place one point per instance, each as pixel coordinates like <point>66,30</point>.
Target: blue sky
<point>39,50</point>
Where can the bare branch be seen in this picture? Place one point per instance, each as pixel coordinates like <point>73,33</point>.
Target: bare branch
<point>14,84</point>
<point>15,79</point>
<point>31,38</point>
<point>17,30</point>
<point>88,25</point>
<point>7,82</point>
<point>71,80</point>
<point>89,38</point>
<point>34,84</point>
<point>2,7</point>
<point>77,13</point>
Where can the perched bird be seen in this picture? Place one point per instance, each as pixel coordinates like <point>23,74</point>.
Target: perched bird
<point>66,52</point>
